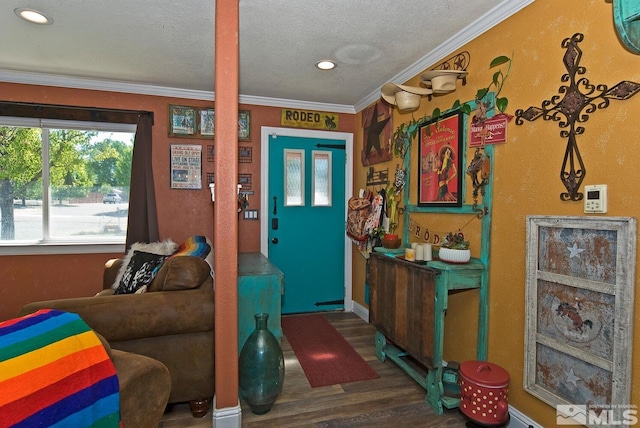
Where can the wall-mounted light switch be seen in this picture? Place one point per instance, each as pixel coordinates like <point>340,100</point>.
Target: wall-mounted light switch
<point>251,214</point>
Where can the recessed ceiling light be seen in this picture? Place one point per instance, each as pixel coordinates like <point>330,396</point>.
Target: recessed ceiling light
<point>33,16</point>
<point>326,65</point>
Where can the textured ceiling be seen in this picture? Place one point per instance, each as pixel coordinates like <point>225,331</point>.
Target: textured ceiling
<point>170,43</point>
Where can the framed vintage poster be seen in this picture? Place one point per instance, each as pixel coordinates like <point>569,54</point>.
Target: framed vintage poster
<point>244,125</point>
<point>182,121</point>
<point>579,315</point>
<point>206,122</point>
<point>440,156</point>
<point>186,166</point>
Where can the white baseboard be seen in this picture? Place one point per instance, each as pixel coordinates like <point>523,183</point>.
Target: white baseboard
<point>361,311</point>
<point>228,417</point>
<point>520,420</point>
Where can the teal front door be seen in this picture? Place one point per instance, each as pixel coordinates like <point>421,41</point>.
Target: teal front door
<point>306,215</point>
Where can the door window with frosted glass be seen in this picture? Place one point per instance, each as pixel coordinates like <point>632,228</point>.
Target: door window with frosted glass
<point>321,183</point>
<point>294,177</point>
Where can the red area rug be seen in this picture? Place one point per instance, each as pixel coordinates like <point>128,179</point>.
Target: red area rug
<point>325,356</point>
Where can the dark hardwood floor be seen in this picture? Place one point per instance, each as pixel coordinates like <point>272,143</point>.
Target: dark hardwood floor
<point>393,400</point>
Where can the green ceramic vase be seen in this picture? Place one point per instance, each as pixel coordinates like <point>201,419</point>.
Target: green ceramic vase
<point>261,368</point>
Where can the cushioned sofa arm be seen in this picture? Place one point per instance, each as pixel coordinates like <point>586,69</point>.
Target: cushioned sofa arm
<point>111,268</point>
<point>135,316</point>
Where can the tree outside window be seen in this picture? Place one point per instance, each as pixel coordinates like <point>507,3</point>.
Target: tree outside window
<point>53,181</point>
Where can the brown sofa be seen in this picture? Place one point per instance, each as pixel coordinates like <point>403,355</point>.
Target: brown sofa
<point>144,385</point>
<point>172,323</point>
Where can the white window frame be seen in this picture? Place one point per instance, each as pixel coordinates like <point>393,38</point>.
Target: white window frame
<point>61,246</point>
<point>327,153</point>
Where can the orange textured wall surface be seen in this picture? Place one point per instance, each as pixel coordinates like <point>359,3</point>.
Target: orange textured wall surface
<point>33,278</point>
<point>181,213</point>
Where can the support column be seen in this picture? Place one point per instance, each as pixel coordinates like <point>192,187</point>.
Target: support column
<point>227,412</point>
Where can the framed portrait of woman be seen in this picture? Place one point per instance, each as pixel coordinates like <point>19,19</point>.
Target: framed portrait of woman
<point>440,155</point>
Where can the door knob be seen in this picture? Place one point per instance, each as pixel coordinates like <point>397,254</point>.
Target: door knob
<point>274,241</point>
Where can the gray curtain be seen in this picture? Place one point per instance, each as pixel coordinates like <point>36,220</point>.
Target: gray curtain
<point>142,225</point>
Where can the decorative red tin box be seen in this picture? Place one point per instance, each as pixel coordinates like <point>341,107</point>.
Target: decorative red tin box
<point>483,392</point>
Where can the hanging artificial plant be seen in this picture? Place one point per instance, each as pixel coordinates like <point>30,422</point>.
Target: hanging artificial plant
<point>406,132</point>
<point>497,81</point>
<point>403,135</point>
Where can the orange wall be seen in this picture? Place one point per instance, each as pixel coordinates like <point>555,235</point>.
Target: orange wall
<point>181,213</point>
<point>526,171</point>
<point>32,278</point>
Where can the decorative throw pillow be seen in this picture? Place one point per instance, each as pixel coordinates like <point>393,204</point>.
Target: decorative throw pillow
<point>140,271</point>
<point>163,248</point>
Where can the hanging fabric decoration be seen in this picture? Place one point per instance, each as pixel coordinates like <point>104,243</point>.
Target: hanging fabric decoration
<point>400,179</point>
<point>374,217</point>
<point>357,215</point>
<point>366,217</point>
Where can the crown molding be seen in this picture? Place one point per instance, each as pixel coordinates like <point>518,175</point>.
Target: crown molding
<point>297,104</point>
<point>484,23</point>
<point>41,79</point>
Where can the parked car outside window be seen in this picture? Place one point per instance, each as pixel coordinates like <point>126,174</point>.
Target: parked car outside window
<point>111,198</point>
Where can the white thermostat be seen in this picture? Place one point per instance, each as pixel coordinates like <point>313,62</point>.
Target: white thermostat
<point>595,200</point>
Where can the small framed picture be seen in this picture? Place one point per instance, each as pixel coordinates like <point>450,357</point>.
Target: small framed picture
<point>186,166</point>
<point>182,121</point>
<point>244,125</point>
<point>206,123</point>
<point>245,154</point>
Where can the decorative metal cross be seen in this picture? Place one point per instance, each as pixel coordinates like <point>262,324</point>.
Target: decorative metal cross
<point>580,99</point>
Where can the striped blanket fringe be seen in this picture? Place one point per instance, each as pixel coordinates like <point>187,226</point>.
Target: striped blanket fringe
<point>55,372</point>
<point>196,246</point>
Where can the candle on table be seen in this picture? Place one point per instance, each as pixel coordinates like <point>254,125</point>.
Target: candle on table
<point>409,254</point>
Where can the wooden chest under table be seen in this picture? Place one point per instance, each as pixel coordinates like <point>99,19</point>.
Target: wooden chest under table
<point>407,306</point>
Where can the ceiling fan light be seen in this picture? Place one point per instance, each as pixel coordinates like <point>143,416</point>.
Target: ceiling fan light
<point>33,16</point>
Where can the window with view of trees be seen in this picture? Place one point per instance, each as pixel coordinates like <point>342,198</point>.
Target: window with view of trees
<point>63,181</point>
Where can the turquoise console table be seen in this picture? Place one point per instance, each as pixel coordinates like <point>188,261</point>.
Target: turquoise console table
<point>260,288</point>
<point>408,302</point>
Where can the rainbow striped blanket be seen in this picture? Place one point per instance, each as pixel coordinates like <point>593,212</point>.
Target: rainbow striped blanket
<point>55,372</point>
<point>196,246</point>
